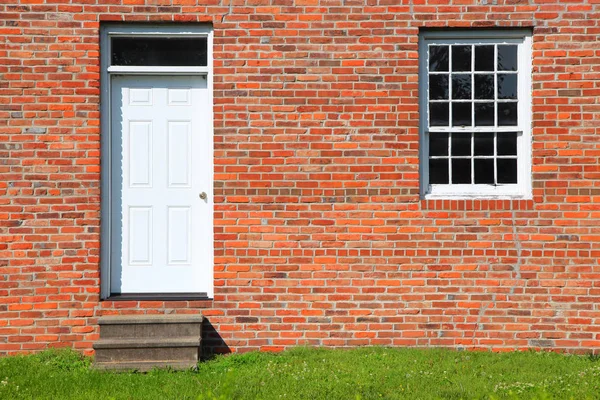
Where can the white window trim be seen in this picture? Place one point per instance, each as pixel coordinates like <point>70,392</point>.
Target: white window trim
<point>106,70</point>
<point>520,190</point>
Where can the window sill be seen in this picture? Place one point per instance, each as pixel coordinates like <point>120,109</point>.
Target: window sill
<point>476,196</point>
<point>477,192</point>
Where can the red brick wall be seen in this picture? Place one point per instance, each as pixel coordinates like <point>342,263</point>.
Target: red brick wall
<point>320,235</point>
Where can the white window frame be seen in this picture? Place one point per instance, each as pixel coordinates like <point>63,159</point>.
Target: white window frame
<point>520,190</point>
<point>107,32</point>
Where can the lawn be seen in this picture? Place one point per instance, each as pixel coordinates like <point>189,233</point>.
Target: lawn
<point>363,373</point>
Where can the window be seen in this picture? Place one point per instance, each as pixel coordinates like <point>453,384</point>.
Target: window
<point>159,51</point>
<point>475,104</point>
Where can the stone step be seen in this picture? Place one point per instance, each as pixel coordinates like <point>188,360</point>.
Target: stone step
<point>150,326</point>
<point>143,342</point>
<point>185,349</point>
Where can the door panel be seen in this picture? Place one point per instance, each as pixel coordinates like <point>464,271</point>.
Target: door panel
<point>161,162</point>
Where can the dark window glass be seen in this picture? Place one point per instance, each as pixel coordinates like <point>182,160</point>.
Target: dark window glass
<point>507,170</point>
<point>484,86</point>
<point>439,114</point>
<point>438,87</point>
<point>438,171</point>
<point>507,86</point>
<point>152,51</point>
<point>507,58</point>
<point>484,144</point>
<point>461,170</point>
<point>484,114</point>
<point>507,114</point>
<point>484,58</point>
<point>438,58</point>
<point>484,170</point>
<point>461,58</point>
<point>438,144</point>
<point>461,87</point>
<point>507,143</point>
<point>461,114</point>
<point>461,144</point>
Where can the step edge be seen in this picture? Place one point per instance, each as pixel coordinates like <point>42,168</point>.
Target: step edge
<point>119,343</point>
<point>151,319</point>
<point>144,365</point>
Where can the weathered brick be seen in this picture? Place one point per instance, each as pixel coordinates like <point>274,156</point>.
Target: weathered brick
<point>321,237</point>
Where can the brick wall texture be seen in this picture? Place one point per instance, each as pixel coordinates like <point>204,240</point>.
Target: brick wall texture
<point>321,237</point>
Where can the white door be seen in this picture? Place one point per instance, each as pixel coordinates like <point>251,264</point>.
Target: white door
<point>161,185</point>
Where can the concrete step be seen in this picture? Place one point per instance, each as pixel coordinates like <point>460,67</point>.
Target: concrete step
<point>157,350</point>
<point>147,326</point>
<point>144,342</point>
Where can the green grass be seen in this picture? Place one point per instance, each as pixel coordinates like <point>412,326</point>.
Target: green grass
<point>364,373</point>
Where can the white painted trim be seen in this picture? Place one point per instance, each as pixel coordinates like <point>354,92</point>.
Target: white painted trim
<point>158,70</point>
<point>521,190</point>
<point>211,146</point>
<point>474,35</point>
<point>106,70</point>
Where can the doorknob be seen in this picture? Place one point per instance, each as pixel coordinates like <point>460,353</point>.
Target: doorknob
<point>203,195</point>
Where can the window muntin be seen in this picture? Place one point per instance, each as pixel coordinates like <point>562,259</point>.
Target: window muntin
<point>475,107</point>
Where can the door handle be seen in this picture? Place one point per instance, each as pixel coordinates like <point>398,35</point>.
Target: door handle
<point>203,195</point>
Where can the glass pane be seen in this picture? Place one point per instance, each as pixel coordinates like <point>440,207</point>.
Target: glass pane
<point>461,170</point>
<point>484,58</point>
<point>438,171</point>
<point>153,51</point>
<point>484,86</point>
<point>484,114</point>
<point>438,87</point>
<point>507,86</point>
<point>507,58</point>
<point>439,114</point>
<point>507,114</point>
<point>484,144</point>
<point>461,144</point>
<point>507,170</point>
<point>484,170</point>
<point>461,58</point>
<point>507,143</point>
<point>438,144</point>
<point>461,114</point>
<point>461,87</point>
<point>438,58</point>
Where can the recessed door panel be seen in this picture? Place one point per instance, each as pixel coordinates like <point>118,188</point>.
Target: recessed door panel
<point>179,153</point>
<point>140,153</point>
<point>140,235</point>
<point>179,238</point>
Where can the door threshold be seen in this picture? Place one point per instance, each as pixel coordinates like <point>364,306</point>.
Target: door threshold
<point>158,296</point>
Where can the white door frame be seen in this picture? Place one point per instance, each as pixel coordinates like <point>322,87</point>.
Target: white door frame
<point>106,134</point>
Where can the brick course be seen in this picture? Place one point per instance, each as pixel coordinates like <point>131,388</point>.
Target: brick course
<point>320,234</point>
